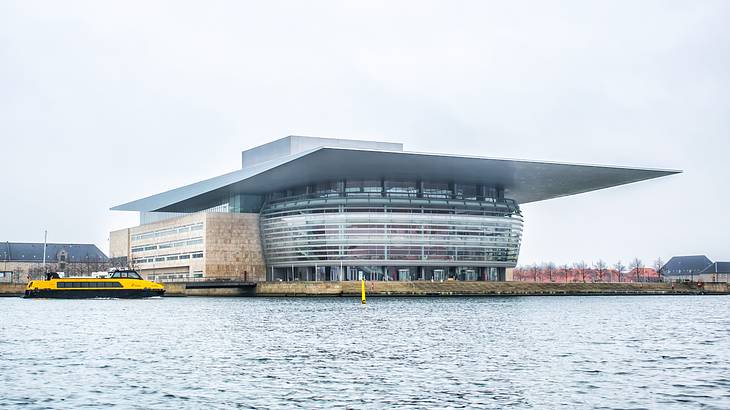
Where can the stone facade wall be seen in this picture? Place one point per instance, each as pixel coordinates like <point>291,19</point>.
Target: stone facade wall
<point>119,243</point>
<point>233,247</point>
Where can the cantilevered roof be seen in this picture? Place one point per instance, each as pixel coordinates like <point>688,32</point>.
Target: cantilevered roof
<point>522,180</point>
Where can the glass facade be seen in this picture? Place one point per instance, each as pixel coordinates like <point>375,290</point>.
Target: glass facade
<point>389,230</point>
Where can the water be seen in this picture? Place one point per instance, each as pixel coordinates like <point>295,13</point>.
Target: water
<point>534,352</point>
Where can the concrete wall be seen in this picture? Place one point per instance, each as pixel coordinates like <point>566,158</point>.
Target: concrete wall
<point>454,288</point>
<point>12,289</point>
<point>233,247</point>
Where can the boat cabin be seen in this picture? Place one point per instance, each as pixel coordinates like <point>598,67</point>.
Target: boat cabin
<point>125,274</point>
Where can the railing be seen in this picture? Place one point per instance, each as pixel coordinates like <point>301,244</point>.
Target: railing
<point>394,195</point>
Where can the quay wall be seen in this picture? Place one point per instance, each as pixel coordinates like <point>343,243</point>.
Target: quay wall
<point>12,289</point>
<point>396,288</point>
<point>449,288</point>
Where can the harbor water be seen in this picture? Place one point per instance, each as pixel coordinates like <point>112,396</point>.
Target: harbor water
<point>523,352</point>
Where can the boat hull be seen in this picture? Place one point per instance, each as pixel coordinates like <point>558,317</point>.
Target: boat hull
<point>93,293</point>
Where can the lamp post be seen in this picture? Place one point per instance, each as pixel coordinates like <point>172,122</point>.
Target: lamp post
<point>45,242</point>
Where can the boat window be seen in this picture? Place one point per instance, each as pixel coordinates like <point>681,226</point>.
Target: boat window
<point>125,274</point>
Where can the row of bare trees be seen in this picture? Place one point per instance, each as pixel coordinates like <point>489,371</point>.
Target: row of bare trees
<point>598,271</point>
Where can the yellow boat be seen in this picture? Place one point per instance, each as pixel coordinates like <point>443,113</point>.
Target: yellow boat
<point>125,284</point>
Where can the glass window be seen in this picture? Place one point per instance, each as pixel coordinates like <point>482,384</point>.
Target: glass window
<point>353,186</point>
<point>372,186</point>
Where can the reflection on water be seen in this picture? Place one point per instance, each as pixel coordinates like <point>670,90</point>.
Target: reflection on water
<point>539,352</point>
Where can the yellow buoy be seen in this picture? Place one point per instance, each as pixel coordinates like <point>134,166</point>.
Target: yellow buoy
<point>363,290</point>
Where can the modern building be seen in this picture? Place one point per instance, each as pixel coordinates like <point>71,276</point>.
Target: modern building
<point>18,259</point>
<point>696,268</point>
<point>304,208</point>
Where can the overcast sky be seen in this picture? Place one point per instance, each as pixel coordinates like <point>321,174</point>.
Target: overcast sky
<point>106,102</point>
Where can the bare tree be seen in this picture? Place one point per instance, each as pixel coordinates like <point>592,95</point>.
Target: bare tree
<point>636,265</point>
<point>582,269</point>
<point>535,270</point>
<point>619,269</point>
<point>550,270</point>
<point>600,268</point>
<point>658,264</point>
<point>566,270</point>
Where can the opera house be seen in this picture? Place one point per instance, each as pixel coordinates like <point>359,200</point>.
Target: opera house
<point>321,209</point>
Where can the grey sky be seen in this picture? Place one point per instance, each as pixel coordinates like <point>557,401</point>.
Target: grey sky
<point>105,102</point>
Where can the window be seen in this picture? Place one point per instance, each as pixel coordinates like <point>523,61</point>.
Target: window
<point>184,256</point>
<point>198,255</point>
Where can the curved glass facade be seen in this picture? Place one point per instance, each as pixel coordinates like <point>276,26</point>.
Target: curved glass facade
<point>389,230</point>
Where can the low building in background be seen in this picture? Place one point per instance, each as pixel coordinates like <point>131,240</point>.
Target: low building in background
<point>716,272</point>
<point>685,267</point>
<point>18,259</point>
<point>323,209</point>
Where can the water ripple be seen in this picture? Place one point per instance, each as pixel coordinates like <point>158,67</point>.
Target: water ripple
<point>569,352</point>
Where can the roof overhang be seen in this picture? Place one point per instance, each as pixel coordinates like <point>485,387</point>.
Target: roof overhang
<point>522,180</point>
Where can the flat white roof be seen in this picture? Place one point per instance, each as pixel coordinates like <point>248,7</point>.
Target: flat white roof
<point>522,180</point>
